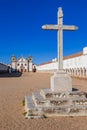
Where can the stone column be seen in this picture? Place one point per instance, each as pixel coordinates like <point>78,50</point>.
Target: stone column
<point>77,72</point>
<point>86,72</point>
<point>83,72</point>
<point>60,39</point>
<point>30,64</point>
<point>74,72</point>
<point>80,71</point>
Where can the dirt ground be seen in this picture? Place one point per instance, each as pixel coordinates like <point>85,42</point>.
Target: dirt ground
<point>12,92</point>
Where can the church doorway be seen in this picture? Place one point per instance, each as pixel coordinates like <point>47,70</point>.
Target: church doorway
<point>22,68</point>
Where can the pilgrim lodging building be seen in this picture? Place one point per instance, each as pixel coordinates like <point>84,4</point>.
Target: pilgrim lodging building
<point>75,64</point>
<point>22,64</point>
<point>3,68</point>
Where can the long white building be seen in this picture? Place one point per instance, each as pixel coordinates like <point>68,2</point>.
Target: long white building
<point>75,64</point>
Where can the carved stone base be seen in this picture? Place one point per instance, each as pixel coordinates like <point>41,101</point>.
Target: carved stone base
<point>49,103</point>
<point>61,82</point>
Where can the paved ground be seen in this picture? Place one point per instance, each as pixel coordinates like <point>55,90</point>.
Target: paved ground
<point>12,92</point>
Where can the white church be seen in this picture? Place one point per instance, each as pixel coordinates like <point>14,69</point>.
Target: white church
<point>75,65</point>
<point>22,64</point>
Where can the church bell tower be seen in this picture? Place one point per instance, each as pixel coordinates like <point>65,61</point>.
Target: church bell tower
<point>13,62</point>
<point>30,64</point>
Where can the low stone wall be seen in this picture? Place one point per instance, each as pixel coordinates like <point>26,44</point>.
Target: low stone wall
<point>79,72</point>
<point>74,72</point>
<point>46,71</point>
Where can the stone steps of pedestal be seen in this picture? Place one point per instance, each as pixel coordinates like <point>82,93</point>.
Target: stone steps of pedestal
<point>38,112</point>
<point>38,99</point>
<point>30,108</point>
<point>48,102</point>
<point>38,96</point>
<point>48,94</point>
<point>43,92</point>
<point>29,103</point>
<point>66,111</point>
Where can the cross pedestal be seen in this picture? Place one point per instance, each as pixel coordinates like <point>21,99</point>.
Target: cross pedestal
<point>60,81</point>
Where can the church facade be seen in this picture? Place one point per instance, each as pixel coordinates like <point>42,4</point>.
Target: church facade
<point>22,64</point>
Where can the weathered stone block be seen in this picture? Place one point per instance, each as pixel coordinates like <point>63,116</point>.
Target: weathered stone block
<point>61,82</point>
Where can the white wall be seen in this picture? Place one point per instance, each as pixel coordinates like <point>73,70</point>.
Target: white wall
<point>76,62</point>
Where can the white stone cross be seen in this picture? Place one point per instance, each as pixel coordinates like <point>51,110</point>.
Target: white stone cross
<point>60,27</point>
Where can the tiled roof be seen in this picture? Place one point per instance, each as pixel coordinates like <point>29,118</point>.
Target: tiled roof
<point>73,55</point>
<point>46,63</point>
<point>66,57</point>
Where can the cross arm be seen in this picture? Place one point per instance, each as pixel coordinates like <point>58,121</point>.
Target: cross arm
<point>57,27</point>
<point>68,27</point>
<point>50,27</point>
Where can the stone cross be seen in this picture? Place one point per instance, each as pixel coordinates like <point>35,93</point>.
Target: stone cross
<point>60,27</point>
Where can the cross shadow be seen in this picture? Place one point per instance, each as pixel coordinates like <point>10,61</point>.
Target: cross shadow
<point>74,89</point>
<point>7,75</point>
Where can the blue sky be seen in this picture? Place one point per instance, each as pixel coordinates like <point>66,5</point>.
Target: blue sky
<point>21,33</point>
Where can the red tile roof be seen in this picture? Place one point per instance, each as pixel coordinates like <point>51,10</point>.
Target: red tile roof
<point>66,57</point>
